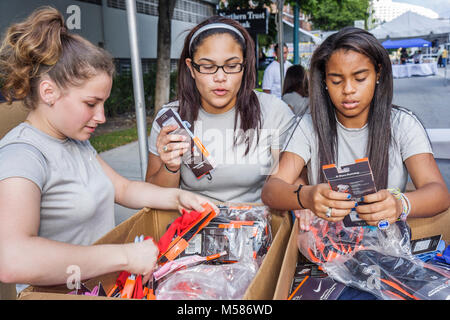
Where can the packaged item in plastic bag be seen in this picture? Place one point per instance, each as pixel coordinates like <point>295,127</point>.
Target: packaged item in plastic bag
<point>232,238</point>
<point>255,221</point>
<point>328,240</point>
<point>244,232</point>
<point>183,263</point>
<point>208,282</point>
<point>373,260</point>
<point>391,276</point>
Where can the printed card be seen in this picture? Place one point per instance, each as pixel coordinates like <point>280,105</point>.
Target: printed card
<point>355,179</point>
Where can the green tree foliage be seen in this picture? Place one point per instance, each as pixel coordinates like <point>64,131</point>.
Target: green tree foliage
<point>121,99</point>
<point>329,15</point>
<point>324,14</point>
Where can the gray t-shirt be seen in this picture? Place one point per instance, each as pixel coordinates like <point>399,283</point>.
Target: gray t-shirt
<point>77,198</point>
<point>236,177</point>
<point>297,102</point>
<point>408,138</point>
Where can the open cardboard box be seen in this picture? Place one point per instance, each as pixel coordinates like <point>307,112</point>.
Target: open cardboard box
<point>420,228</point>
<point>11,115</point>
<point>153,223</point>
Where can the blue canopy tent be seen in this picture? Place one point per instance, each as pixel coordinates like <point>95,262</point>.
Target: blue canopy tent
<point>406,43</point>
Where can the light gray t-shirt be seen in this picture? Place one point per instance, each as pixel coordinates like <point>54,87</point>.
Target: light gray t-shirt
<point>297,102</point>
<point>77,198</point>
<point>236,177</point>
<point>408,138</point>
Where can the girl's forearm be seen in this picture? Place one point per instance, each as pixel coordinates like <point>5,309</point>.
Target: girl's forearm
<point>280,195</point>
<point>164,178</point>
<point>138,194</point>
<point>40,261</point>
<point>421,204</point>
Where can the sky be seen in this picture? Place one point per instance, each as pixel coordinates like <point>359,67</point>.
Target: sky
<point>441,7</point>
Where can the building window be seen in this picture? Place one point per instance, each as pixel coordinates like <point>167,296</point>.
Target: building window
<point>123,65</point>
<point>118,4</point>
<point>193,11</point>
<point>149,7</point>
<point>98,2</point>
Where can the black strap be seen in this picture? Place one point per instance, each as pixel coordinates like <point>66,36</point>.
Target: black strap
<point>298,196</point>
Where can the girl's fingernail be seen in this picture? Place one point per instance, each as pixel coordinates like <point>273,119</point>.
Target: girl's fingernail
<point>356,204</point>
<point>362,198</point>
<point>349,196</point>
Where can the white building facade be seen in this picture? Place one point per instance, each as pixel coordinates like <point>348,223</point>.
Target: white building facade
<point>104,23</point>
<point>387,10</point>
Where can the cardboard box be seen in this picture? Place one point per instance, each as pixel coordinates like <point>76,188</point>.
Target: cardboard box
<point>420,227</point>
<point>425,227</point>
<point>153,223</point>
<point>287,271</point>
<point>11,115</point>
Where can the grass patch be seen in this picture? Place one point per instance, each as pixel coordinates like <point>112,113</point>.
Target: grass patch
<point>115,139</point>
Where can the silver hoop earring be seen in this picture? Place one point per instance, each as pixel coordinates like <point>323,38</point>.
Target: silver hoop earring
<point>326,88</point>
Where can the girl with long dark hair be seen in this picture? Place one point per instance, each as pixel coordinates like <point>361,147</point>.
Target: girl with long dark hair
<point>242,129</point>
<point>352,117</point>
<point>295,89</point>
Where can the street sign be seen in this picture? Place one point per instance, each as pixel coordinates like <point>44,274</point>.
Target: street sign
<point>254,20</point>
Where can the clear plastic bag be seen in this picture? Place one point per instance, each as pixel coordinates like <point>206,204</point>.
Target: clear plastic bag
<point>208,282</point>
<point>373,260</point>
<point>245,234</point>
<point>254,221</point>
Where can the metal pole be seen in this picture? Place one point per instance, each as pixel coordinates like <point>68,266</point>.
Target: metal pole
<point>138,86</point>
<point>280,4</point>
<point>257,58</point>
<point>296,26</point>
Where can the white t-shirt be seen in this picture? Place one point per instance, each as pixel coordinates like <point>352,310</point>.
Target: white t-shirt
<point>408,138</point>
<point>236,177</point>
<point>272,80</point>
<point>77,198</point>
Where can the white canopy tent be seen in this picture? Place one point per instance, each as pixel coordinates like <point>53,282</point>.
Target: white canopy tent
<point>411,25</point>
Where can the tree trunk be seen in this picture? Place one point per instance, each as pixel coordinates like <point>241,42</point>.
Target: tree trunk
<point>162,90</point>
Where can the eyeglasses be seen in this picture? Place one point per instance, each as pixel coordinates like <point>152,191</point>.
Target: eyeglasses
<point>212,68</point>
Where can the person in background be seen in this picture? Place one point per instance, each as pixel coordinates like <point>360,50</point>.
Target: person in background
<point>403,56</point>
<point>295,89</point>
<point>243,130</point>
<point>444,57</point>
<point>417,57</point>
<point>56,194</point>
<point>271,80</point>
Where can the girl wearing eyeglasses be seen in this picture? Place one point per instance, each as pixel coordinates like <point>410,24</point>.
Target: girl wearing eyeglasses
<point>242,129</point>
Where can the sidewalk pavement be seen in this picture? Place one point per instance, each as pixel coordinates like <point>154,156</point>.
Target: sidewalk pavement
<point>428,97</point>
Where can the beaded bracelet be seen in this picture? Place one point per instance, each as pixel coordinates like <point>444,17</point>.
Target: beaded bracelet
<point>406,205</point>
